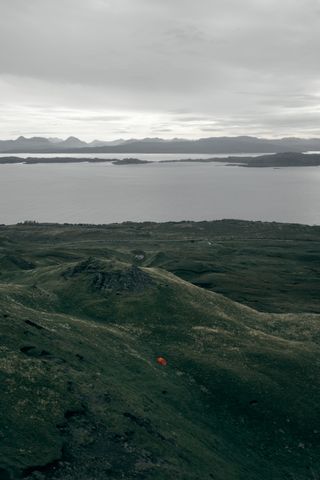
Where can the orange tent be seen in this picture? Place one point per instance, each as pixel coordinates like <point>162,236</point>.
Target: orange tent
<point>162,361</point>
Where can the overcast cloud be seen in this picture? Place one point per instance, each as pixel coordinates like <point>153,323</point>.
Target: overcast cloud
<point>122,68</point>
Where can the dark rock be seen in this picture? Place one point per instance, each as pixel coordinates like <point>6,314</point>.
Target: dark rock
<point>26,349</point>
<point>106,277</point>
<point>32,324</point>
<point>132,279</point>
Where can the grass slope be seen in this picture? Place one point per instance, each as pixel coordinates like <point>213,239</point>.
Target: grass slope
<point>271,267</point>
<point>84,398</point>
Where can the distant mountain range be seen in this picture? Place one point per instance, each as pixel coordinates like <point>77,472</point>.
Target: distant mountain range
<point>213,145</point>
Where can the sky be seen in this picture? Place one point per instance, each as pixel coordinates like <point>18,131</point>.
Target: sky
<point>108,69</point>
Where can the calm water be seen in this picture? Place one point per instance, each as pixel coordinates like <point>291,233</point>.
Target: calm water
<point>104,193</point>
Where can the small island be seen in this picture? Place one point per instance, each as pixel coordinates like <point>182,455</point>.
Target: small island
<point>276,160</point>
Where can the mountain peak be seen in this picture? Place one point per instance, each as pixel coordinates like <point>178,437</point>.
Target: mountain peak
<point>73,139</point>
<point>73,142</point>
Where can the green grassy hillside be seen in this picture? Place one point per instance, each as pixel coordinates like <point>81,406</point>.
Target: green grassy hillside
<point>86,311</point>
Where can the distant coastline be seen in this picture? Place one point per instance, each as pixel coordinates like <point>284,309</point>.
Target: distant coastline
<point>280,160</point>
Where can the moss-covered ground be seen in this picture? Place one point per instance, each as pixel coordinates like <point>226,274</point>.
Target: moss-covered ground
<point>86,310</point>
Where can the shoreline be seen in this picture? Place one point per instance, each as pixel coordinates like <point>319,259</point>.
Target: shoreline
<point>279,160</point>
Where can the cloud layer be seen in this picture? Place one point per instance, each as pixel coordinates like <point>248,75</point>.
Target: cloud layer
<point>110,68</point>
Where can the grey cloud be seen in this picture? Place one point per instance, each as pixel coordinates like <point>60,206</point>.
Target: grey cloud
<point>162,130</point>
<point>98,118</point>
<point>191,118</point>
<point>243,64</point>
